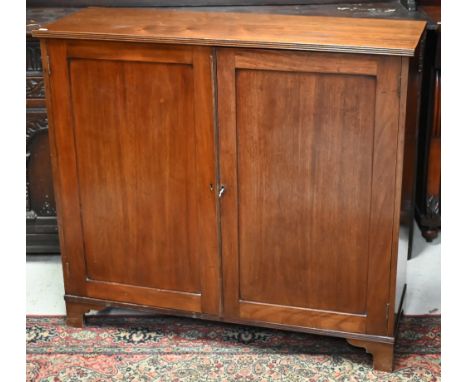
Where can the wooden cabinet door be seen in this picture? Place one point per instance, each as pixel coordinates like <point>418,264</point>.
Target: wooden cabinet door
<point>308,151</point>
<point>133,155</point>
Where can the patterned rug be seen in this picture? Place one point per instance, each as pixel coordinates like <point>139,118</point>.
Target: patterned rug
<point>143,348</point>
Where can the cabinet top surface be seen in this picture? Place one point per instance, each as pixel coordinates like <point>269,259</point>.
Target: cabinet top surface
<point>256,30</point>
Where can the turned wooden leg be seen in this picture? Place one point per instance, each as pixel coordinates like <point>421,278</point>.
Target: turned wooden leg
<point>76,312</point>
<point>429,234</point>
<point>382,353</point>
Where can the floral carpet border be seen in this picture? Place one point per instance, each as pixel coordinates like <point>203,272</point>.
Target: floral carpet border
<point>144,348</point>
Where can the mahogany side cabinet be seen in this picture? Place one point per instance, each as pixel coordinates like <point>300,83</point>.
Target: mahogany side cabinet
<point>237,167</point>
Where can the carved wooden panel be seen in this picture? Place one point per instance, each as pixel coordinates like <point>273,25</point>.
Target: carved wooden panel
<point>41,227</point>
<point>35,87</point>
<point>40,199</point>
<point>33,57</point>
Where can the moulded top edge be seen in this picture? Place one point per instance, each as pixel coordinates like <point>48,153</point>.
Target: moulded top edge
<point>257,30</point>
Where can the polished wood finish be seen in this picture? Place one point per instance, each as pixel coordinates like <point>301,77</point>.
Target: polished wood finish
<point>302,317</point>
<point>76,312</point>
<point>382,353</point>
<point>388,37</point>
<point>41,222</point>
<point>299,171</point>
<point>122,178</point>
<point>242,185</point>
<point>410,143</point>
<point>136,176</point>
<point>103,303</point>
<point>404,187</point>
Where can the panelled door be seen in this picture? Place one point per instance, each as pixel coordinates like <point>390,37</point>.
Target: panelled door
<point>308,149</point>
<point>134,123</point>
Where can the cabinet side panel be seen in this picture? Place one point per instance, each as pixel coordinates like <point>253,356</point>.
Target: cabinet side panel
<point>402,226</point>
<point>62,149</point>
<point>386,187</point>
<point>407,162</point>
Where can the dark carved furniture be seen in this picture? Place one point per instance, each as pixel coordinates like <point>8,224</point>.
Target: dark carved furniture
<point>428,191</point>
<point>41,221</point>
<point>234,166</point>
<point>40,204</point>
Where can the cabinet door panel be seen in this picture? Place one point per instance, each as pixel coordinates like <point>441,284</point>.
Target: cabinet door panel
<point>135,167</point>
<point>142,135</point>
<point>298,149</point>
<point>298,156</point>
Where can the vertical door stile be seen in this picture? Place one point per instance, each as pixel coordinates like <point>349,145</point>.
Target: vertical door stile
<point>228,177</point>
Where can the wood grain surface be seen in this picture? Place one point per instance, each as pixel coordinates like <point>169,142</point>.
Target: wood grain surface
<point>148,126</point>
<point>140,159</point>
<point>135,209</point>
<point>308,154</point>
<point>304,173</point>
<point>315,33</point>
